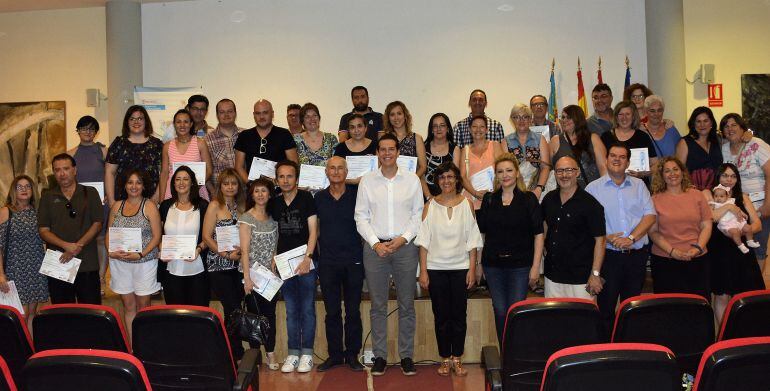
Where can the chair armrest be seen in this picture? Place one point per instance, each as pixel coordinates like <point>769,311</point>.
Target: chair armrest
<point>493,380</point>
<point>248,371</point>
<point>490,358</point>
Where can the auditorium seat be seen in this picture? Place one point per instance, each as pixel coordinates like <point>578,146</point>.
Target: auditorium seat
<point>83,369</point>
<point>683,323</point>
<point>187,348</point>
<point>6,382</point>
<point>16,345</point>
<point>79,326</point>
<point>534,330</point>
<point>611,367</point>
<point>736,364</point>
<point>747,315</point>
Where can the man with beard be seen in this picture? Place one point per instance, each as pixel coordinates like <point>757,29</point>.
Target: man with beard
<point>360,97</point>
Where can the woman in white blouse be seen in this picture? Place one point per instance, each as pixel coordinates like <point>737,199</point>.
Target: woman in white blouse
<point>449,240</point>
<point>184,281</point>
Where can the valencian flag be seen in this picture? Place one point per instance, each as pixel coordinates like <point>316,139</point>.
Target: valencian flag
<point>628,75</point>
<point>553,114</point>
<point>599,72</point>
<point>581,90</point>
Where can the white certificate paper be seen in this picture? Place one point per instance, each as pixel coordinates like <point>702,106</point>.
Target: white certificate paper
<point>199,168</point>
<point>11,298</point>
<point>261,167</point>
<point>360,165</point>
<point>287,262</point>
<point>125,239</point>
<point>640,160</point>
<point>543,130</point>
<point>313,177</point>
<point>99,186</point>
<point>408,163</point>
<point>484,179</point>
<point>266,284</point>
<point>52,267</point>
<point>228,238</point>
<point>178,246</point>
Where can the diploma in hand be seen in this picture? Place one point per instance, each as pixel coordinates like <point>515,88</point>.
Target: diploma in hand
<point>640,160</point>
<point>125,239</point>
<point>52,267</point>
<point>287,262</point>
<point>266,284</point>
<point>360,165</point>
<point>313,177</point>
<point>484,179</point>
<point>199,168</point>
<point>261,167</point>
<point>178,246</point>
<point>227,238</point>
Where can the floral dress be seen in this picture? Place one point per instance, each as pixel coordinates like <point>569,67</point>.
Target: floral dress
<point>127,155</point>
<point>214,262</point>
<point>408,146</point>
<point>319,156</point>
<point>24,256</point>
<point>263,242</point>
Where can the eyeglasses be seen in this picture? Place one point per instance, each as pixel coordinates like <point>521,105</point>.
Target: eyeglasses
<point>637,96</point>
<point>86,130</point>
<point>263,146</point>
<point>72,212</point>
<point>521,117</point>
<point>23,187</point>
<point>568,171</point>
<point>539,104</point>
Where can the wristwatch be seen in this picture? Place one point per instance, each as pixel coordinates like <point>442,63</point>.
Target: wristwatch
<point>595,273</point>
<point>633,239</point>
<point>542,188</point>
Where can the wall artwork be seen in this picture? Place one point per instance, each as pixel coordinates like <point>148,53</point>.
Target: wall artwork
<point>31,134</point>
<point>755,90</point>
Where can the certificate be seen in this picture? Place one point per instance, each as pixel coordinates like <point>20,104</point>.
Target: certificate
<point>407,163</point>
<point>484,179</point>
<point>640,160</point>
<point>178,246</point>
<point>261,167</point>
<point>287,262</point>
<point>313,177</point>
<point>99,186</point>
<point>266,284</point>
<point>52,267</point>
<point>199,168</point>
<point>360,165</point>
<point>543,130</point>
<point>11,298</point>
<point>228,238</point>
<point>125,239</point>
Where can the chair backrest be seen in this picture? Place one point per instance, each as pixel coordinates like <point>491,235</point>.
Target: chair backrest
<point>83,369</point>
<point>183,347</point>
<point>537,328</point>
<point>6,381</point>
<point>79,326</point>
<point>683,323</point>
<point>735,364</point>
<point>610,367</point>
<point>747,315</point>
<point>16,345</point>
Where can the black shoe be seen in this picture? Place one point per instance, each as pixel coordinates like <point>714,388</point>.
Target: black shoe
<point>379,367</point>
<point>329,364</point>
<point>354,364</point>
<point>407,367</point>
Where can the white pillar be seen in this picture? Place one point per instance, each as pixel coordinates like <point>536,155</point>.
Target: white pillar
<point>124,59</point>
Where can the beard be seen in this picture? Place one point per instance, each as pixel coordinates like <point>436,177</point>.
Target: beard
<point>361,107</point>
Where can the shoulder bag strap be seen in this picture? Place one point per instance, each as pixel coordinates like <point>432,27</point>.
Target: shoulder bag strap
<point>7,239</point>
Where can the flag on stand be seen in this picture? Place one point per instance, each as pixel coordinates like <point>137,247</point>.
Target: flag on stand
<point>628,75</point>
<point>553,114</point>
<point>599,72</point>
<point>581,90</point>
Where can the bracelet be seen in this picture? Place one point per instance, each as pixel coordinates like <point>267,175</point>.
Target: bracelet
<point>697,246</point>
<point>671,253</point>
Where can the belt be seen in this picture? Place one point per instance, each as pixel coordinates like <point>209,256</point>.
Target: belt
<point>629,251</point>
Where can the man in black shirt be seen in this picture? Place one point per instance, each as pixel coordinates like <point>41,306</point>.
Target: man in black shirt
<point>264,141</point>
<point>360,97</point>
<point>574,241</point>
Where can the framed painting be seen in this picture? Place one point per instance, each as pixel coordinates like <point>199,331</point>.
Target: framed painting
<point>755,92</point>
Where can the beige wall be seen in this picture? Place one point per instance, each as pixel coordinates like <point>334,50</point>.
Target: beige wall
<point>55,55</point>
<point>732,35</point>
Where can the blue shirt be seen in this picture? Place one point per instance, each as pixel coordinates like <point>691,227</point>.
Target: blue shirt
<point>338,241</point>
<point>624,205</point>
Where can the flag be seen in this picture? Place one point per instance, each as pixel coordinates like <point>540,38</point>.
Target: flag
<point>599,72</point>
<point>553,114</point>
<point>628,75</point>
<point>581,90</point>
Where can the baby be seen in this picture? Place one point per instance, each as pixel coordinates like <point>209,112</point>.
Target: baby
<point>729,223</point>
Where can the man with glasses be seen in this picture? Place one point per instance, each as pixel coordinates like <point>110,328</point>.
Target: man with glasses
<point>221,142</point>
<point>265,141</point>
<point>601,121</point>
<point>539,106</point>
<point>69,219</point>
<point>462,130</point>
<point>198,106</point>
<point>292,118</point>
<point>360,97</point>
<point>574,236</point>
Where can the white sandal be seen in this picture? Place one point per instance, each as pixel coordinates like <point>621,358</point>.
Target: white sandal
<point>271,361</point>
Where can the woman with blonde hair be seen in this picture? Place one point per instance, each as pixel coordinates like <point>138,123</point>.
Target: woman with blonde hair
<point>512,220</point>
<point>531,150</point>
<point>398,120</point>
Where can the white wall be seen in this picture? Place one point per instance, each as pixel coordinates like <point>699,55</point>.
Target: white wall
<point>55,55</point>
<point>429,54</point>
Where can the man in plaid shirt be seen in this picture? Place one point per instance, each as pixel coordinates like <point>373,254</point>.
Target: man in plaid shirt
<point>462,130</point>
<point>221,141</point>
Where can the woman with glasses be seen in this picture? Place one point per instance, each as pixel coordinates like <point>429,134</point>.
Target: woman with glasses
<point>185,147</point>
<point>664,134</point>
<point>637,93</point>
<point>439,149</point>
<point>21,248</point>
<point>135,148</point>
<point>585,147</point>
<point>531,150</point>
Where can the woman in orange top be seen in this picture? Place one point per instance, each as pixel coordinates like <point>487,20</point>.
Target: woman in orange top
<point>477,156</point>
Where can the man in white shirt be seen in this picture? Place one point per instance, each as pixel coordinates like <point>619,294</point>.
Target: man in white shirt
<point>388,215</point>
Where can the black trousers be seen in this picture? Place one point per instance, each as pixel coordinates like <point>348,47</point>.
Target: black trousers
<point>338,283</point>
<point>449,300</point>
<point>624,277</point>
<point>186,290</point>
<point>266,308</point>
<point>228,286</point>
<point>672,276</point>
<point>85,290</point>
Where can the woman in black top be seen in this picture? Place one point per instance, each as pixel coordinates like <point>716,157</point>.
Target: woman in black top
<point>626,123</point>
<point>701,148</point>
<point>439,149</point>
<point>513,223</point>
<point>357,144</point>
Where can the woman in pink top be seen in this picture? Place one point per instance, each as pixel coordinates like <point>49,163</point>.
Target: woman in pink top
<point>477,156</point>
<point>679,260</point>
<point>185,147</point>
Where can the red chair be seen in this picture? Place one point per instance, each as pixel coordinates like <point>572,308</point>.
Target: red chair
<point>186,347</point>
<point>79,326</point>
<point>611,367</point>
<point>6,383</point>
<point>683,323</point>
<point>534,330</point>
<point>16,346</point>
<point>83,369</point>
<point>747,315</point>
<point>736,364</point>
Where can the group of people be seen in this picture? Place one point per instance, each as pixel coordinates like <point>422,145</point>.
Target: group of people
<point>558,199</point>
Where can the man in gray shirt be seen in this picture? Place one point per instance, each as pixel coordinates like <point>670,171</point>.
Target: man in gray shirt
<point>601,121</point>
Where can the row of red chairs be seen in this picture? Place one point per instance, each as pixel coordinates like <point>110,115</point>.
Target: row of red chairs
<point>82,346</point>
<point>682,323</point>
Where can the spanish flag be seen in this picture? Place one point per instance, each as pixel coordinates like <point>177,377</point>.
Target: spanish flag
<point>581,90</point>
<point>599,72</point>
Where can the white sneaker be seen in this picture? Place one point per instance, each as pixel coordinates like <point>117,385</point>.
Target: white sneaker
<point>752,243</point>
<point>305,363</point>
<point>290,364</point>
<point>743,248</point>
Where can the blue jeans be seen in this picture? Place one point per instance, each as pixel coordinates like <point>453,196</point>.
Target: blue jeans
<point>299,296</point>
<point>506,286</point>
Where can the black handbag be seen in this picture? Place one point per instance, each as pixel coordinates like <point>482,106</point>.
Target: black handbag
<point>247,326</point>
